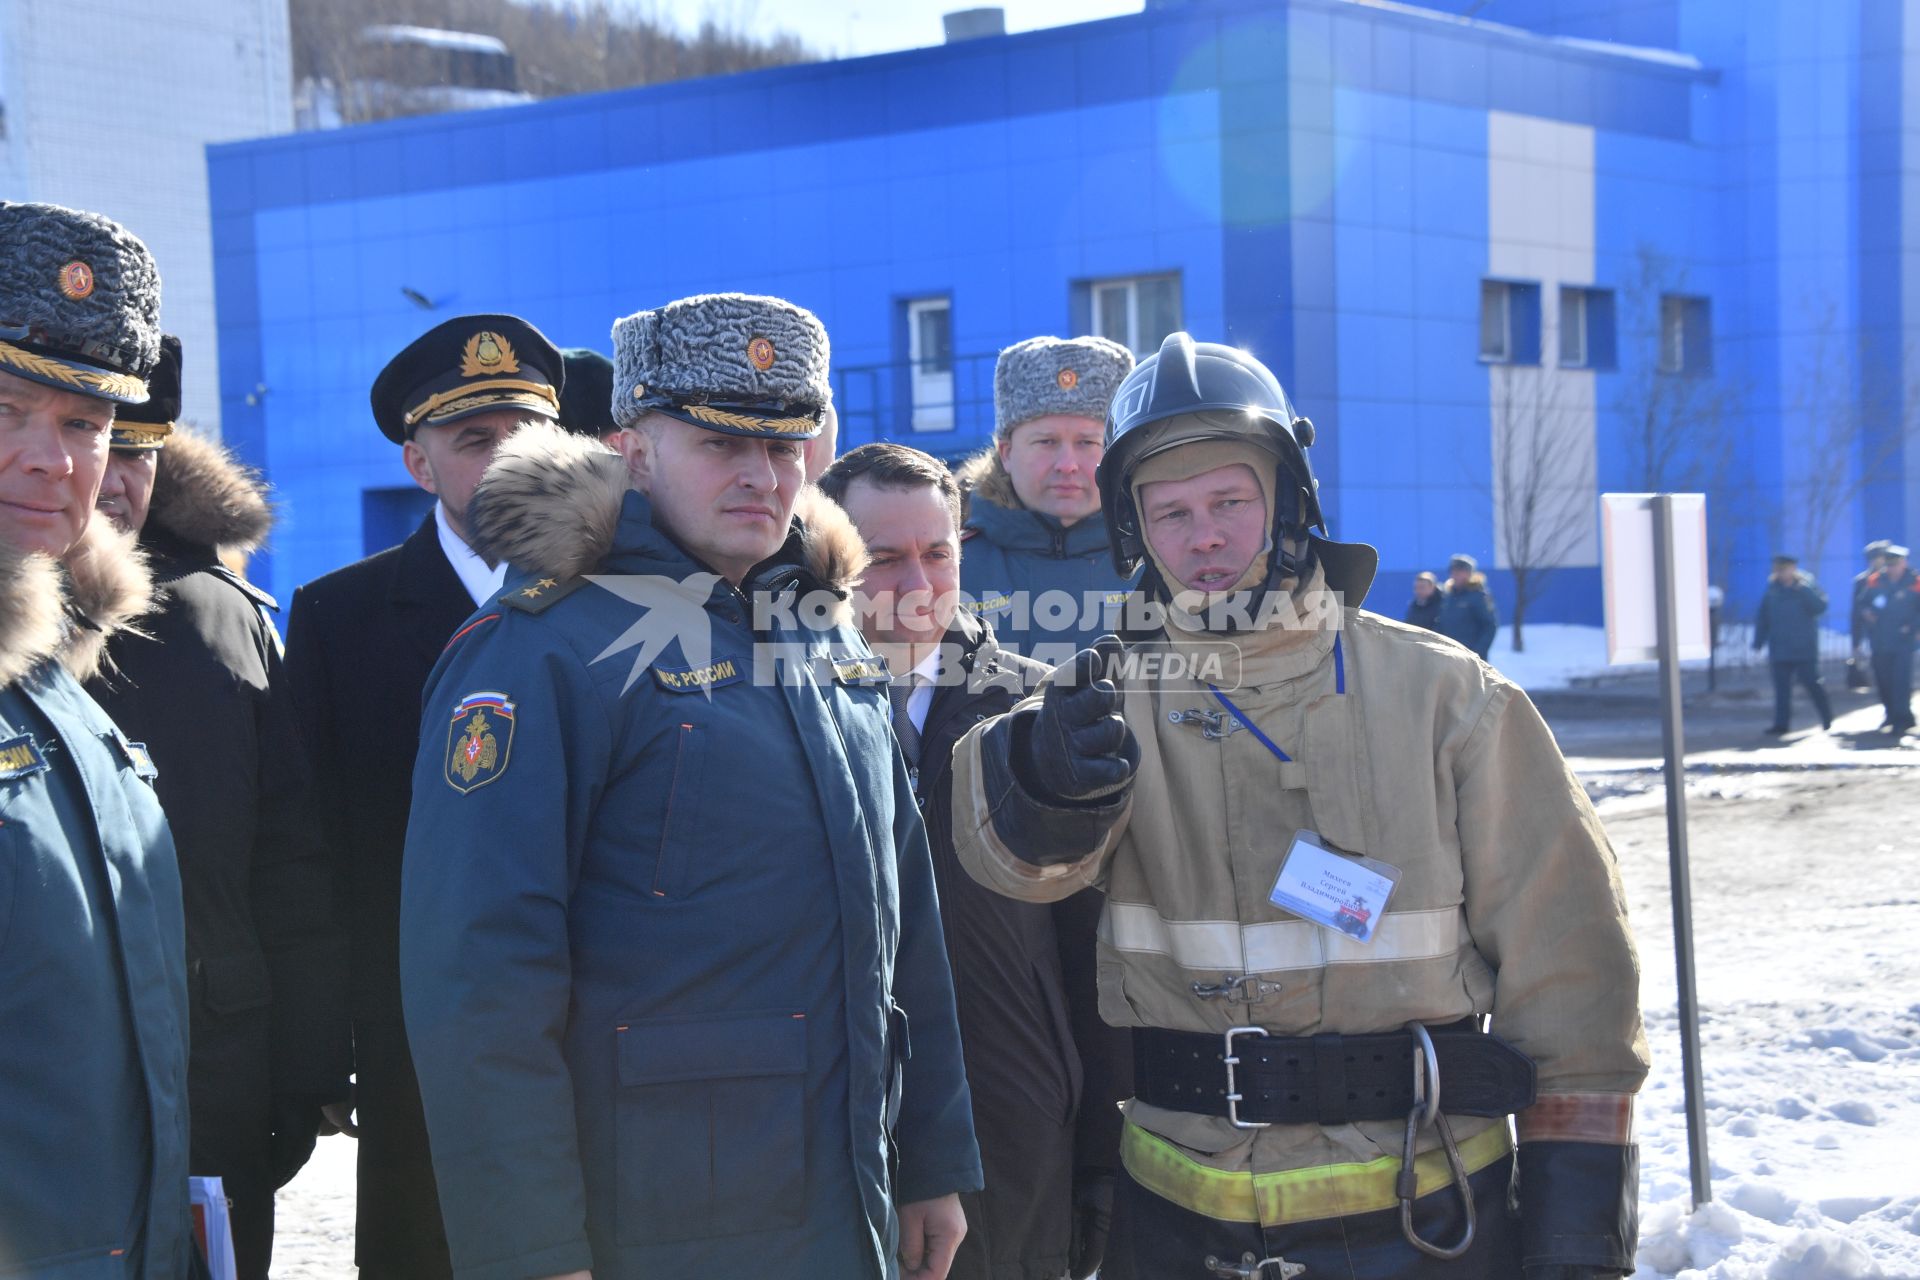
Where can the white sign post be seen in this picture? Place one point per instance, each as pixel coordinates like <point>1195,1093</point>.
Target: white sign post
<point>1654,563</point>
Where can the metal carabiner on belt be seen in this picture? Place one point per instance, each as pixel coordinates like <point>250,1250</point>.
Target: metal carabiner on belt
<point>1426,1112</point>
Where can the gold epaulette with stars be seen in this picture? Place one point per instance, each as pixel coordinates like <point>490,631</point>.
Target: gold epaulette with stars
<point>542,594</point>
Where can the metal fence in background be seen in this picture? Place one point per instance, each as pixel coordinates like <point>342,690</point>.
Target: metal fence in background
<point>948,413</point>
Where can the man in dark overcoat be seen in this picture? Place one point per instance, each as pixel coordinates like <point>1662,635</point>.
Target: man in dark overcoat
<point>360,642</point>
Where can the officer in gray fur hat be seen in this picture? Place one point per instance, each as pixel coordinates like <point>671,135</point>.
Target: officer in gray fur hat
<point>93,1039</point>
<point>664,864</point>
<point>1027,530</point>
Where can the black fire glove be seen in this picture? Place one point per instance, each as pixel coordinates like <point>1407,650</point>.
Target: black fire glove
<point>296,1127</point>
<point>1078,750</point>
<point>1092,1219</point>
<point>1579,1209</point>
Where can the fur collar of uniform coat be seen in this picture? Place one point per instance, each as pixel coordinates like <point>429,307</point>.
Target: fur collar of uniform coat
<point>67,609</point>
<point>985,476</point>
<point>205,496</point>
<point>550,505</point>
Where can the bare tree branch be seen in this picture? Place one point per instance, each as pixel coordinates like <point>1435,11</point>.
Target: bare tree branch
<point>1543,483</point>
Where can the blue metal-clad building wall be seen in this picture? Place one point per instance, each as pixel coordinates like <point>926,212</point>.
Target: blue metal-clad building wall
<point>1329,182</point>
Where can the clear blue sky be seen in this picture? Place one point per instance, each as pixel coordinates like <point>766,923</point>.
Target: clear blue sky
<point>852,27</point>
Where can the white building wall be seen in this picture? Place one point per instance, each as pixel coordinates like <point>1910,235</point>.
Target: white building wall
<point>1540,228</point>
<point>110,105</point>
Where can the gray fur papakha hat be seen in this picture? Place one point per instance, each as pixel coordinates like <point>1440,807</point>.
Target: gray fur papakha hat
<point>1044,376</point>
<point>732,362</point>
<point>79,302</point>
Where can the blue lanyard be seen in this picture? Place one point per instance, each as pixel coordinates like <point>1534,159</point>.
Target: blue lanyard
<point>1339,686</point>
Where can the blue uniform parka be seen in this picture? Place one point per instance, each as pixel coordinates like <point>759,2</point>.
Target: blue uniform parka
<point>1020,568</point>
<point>670,953</point>
<point>93,987</point>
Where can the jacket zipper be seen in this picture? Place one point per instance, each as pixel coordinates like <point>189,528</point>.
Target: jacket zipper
<point>666,824</point>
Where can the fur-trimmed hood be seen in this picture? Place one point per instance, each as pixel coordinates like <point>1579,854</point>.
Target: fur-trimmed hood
<point>204,495</point>
<point>550,505</point>
<point>986,476</point>
<point>67,610</point>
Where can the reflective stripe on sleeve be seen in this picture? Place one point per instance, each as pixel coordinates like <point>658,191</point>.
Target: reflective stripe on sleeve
<point>1229,946</point>
<point>1296,1195</point>
<point>1605,1118</point>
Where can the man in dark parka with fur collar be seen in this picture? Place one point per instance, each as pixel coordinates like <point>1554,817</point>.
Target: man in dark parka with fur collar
<point>671,958</point>
<point>201,684</point>
<point>93,995</point>
<point>1037,565</point>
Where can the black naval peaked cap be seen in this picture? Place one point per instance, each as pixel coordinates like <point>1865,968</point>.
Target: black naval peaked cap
<point>586,404</point>
<point>468,365</point>
<point>141,427</point>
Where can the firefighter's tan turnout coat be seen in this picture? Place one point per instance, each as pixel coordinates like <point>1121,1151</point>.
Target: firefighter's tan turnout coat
<point>1406,748</point>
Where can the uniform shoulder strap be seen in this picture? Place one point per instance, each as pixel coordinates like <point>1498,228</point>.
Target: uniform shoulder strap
<point>541,594</point>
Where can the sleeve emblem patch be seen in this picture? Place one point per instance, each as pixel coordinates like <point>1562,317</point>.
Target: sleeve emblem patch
<point>479,741</point>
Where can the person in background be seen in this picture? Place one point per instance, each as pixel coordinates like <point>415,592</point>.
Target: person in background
<point>1859,669</point>
<point>360,642</point>
<point>1788,628</point>
<point>586,396</point>
<point>1032,527</point>
<point>821,450</point>
<point>1891,606</point>
<point>93,945</point>
<point>1467,613</point>
<point>1046,1075</point>
<point>1424,609</point>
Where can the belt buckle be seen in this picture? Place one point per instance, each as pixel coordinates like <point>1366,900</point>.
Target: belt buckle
<point>1232,1060</point>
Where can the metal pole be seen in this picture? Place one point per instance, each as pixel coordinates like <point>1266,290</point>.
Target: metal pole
<point>1666,612</point>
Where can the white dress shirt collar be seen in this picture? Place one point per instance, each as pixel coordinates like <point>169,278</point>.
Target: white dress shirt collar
<point>481,582</point>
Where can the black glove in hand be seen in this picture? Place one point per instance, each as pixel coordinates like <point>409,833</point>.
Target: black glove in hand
<point>1092,1219</point>
<point>296,1127</point>
<point>1079,750</point>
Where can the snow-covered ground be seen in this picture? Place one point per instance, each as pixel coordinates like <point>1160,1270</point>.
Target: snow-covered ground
<point>1807,912</point>
<point>1557,654</point>
<point>1807,937</point>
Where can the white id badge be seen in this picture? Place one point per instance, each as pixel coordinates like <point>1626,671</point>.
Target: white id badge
<point>1347,894</point>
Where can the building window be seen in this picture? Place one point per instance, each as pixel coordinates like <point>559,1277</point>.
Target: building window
<point>1137,312</point>
<point>930,361</point>
<point>1509,322</point>
<point>1586,328</point>
<point>1686,335</point>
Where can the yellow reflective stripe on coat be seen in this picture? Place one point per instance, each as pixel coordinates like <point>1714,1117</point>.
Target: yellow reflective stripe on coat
<point>1295,1195</point>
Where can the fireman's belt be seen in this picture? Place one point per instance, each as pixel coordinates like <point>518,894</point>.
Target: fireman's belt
<point>1256,1079</point>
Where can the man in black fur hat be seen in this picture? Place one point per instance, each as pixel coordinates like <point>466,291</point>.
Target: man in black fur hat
<point>201,685</point>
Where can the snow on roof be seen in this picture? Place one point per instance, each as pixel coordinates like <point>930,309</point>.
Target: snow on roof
<point>1606,48</point>
<point>462,41</point>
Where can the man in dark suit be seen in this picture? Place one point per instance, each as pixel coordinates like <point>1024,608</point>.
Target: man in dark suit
<point>360,642</point>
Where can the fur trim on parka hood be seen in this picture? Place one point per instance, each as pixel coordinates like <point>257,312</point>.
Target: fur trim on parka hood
<point>204,495</point>
<point>984,474</point>
<point>550,505</point>
<point>49,609</point>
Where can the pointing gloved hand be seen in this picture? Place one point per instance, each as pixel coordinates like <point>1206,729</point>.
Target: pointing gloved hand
<point>1079,750</point>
